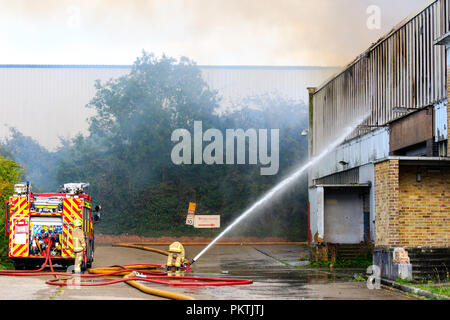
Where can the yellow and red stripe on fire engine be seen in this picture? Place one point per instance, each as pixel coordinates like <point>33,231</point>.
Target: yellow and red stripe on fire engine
<point>19,214</point>
<point>73,209</point>
<point>19,249</point>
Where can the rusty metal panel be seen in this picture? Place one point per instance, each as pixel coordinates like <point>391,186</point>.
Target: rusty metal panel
<point>440,121</point>
<point>403,69</point>
<point>411,130</point>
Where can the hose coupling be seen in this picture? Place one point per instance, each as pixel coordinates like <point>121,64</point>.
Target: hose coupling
<point>139,275</point>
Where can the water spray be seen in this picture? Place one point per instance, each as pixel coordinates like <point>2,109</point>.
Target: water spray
<point>287,181</point>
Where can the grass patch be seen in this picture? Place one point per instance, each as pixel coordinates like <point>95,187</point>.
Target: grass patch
<point>358,262</point>
<point>6,265</point>
<point>359,278</point>
<point>443,291</point>
<point>284,262</point>
<point>431,286</point>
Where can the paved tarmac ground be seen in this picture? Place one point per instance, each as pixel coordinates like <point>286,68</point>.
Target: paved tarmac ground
<point>274,270</point>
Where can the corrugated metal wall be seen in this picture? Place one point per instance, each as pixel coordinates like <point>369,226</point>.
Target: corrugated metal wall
<point>240,82</point>
<point>358,152</point>
<point>403,69</point>
<point>48,101</point>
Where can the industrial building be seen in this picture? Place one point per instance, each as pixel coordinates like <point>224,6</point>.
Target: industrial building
<point>48,101</point>
<point>388,185</point>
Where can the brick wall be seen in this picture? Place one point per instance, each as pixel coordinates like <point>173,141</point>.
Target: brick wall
<point>386,203</point>
<point>409,213</point>
<point>424,215</point>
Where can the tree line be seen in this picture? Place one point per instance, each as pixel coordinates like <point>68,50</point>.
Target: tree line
<point>126,156</point>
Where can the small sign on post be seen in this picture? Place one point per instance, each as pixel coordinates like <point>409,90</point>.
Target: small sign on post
<point>207,221</point>
<point>191,214</point>
<point>400,256</point>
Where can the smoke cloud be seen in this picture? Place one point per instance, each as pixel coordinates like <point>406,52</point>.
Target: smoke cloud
<point>253,32</point>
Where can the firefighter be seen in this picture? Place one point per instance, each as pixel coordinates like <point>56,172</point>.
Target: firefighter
<point>79,243</point>
<point>176,251</point>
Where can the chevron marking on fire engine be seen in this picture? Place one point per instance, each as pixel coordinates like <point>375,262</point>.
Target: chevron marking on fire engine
<point>11,230</point>
<point>67,242</point>
<point>19,250</point>
<point>11,236</point>
<point>23,203</point>
<point>23,209</point>
<point>71,210</point>
<point>70,240</point>
<point>20,208</point>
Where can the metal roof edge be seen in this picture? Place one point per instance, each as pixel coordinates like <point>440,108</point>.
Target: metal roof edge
<point>413,158</point>
<point>109,66</point>
<point>397,27</point>
<point>267,67</point>
<point>66,66</point>
<point>340,185</point>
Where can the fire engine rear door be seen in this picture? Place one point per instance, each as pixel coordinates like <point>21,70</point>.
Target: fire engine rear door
<point>19,237</point>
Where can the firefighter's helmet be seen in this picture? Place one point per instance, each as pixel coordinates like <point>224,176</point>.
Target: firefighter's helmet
<point>77,223</point>
<point>176,247</point>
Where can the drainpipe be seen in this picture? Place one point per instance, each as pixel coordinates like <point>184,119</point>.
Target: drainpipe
<point>311,91</point>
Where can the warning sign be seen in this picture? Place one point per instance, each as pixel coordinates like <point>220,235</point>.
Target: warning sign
<point>207,221</point>
<point>190,219</point>
<point>191,213</point>
<point>191,209</point>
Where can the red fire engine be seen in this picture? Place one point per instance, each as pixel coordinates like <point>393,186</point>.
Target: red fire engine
<point>37,223</point>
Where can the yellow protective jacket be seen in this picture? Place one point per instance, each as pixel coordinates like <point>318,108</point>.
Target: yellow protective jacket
<point>177,248</point>
<point>79,243</point>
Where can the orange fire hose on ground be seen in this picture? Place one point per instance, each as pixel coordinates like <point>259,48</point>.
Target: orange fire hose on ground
<point>132,274</point>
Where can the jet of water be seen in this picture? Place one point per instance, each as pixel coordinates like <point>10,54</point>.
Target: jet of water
<point>284,183</point>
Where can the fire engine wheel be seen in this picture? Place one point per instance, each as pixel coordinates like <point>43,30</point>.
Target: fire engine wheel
<point>21,265</point>
<point>90,260</point>
<point>86,262</point>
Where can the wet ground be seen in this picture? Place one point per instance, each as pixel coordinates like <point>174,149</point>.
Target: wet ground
<point>280,273</point>
<point>276,271</point>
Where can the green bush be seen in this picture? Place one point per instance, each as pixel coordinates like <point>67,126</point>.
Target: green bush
<point>10,174</point>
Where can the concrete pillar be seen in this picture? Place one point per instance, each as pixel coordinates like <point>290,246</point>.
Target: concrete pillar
<point>320,216</point>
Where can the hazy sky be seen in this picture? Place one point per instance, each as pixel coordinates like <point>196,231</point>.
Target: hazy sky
<point>211,32</point>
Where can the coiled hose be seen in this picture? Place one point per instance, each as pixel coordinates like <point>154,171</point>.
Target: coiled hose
<point>132,273</point>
